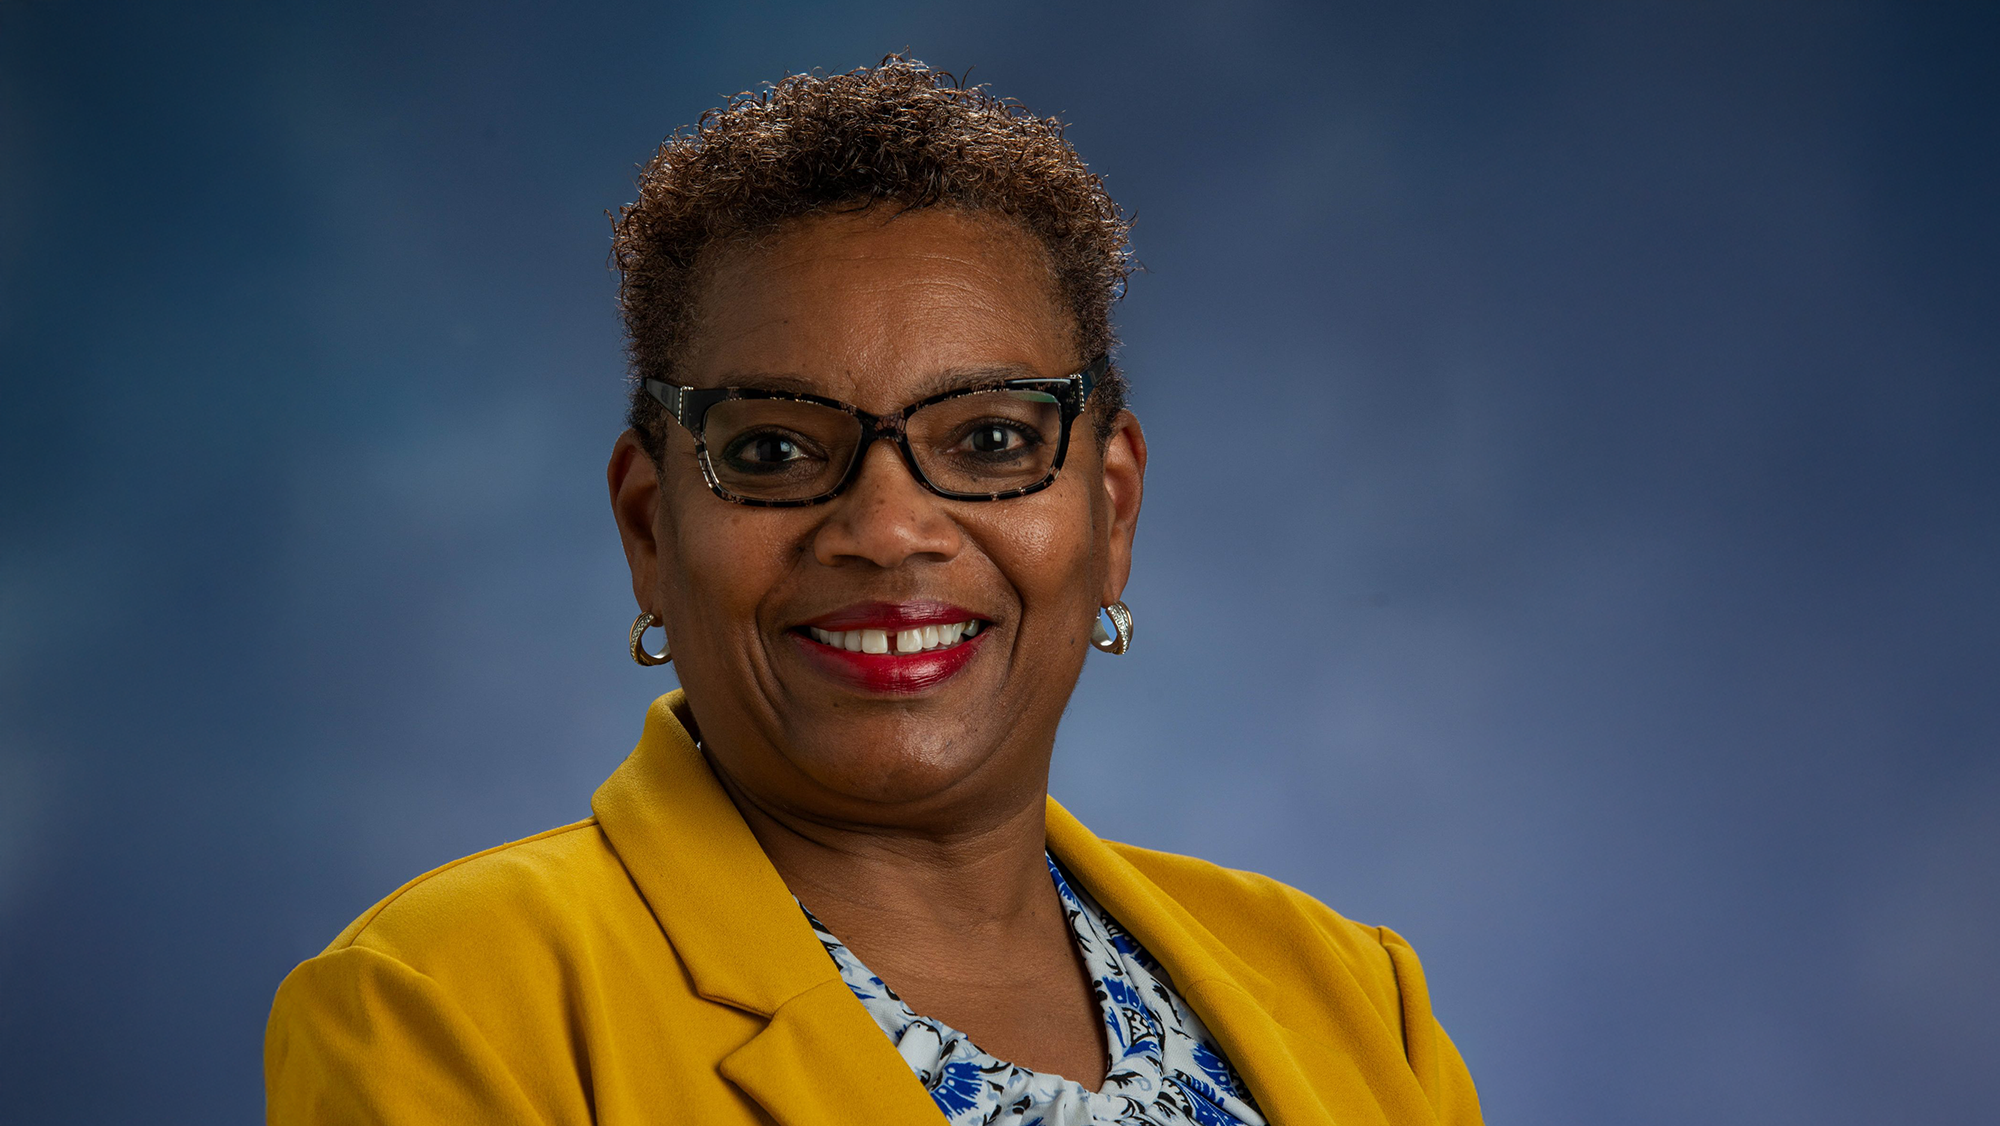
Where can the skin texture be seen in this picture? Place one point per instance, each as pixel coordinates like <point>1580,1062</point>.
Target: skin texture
<point>910,824</point>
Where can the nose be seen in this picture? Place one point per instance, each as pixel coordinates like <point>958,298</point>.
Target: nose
<point>886,518</point>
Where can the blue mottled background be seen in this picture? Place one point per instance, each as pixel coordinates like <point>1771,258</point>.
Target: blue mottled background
<point>1573,536</point>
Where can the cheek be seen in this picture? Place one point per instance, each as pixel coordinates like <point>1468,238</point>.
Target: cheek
<point>1046,554</point>
<point>727,554</point>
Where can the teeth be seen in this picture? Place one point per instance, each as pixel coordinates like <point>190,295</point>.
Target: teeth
<point>914,640</point>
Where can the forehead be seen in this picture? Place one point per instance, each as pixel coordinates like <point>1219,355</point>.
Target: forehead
<point>879,307</point>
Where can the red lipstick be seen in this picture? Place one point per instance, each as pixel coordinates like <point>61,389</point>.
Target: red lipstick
<point>829,643</point>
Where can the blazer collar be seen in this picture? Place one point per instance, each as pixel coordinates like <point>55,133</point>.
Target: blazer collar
<point>1175,938</point>
<point>821,1060</point>
<point>727,912</point>
<point>1232,998</point>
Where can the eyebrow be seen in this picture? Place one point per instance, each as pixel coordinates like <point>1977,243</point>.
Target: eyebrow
<point>950,379</point>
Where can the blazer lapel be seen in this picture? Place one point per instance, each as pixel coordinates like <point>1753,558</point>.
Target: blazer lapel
<point>745,942</point>
<point>804,1069</point>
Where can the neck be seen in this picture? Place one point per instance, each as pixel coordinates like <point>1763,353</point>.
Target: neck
<point>962,922</point>
<point>985,875</point>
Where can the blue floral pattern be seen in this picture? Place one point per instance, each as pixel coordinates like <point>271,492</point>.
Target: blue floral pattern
<point>1165,1068</point>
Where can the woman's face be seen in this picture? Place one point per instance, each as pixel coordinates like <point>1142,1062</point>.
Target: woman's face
<point>880,309</point>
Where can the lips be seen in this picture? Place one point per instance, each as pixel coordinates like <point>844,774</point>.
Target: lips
<point>893,648</point>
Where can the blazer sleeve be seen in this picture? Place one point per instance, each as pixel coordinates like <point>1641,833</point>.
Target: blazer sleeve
<point>356,1036</point>
<point>1440,1070</point>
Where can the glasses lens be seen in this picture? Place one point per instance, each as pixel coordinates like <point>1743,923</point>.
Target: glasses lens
<point>988,442</point>
<point>774,449</point>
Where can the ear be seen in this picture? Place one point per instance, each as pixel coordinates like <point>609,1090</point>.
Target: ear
<point>1124,484</point>
<point>635,501</point>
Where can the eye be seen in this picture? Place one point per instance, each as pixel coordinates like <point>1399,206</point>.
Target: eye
<point>768,450</point>
<point>997,438</point>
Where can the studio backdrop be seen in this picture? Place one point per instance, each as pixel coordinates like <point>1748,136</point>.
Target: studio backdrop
<point>1571,536</point>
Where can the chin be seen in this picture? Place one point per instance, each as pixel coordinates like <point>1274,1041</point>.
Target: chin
<point>891,767</point>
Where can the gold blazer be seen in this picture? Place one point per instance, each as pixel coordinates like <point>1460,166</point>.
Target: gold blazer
<point>648,965</point>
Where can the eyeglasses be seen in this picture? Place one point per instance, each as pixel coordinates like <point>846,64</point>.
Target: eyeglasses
<point>779,449</point>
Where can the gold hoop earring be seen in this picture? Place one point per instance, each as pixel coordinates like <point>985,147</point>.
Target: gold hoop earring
<point>1121,620</point>
<point>640,625</point>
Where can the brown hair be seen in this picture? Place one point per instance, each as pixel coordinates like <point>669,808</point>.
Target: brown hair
<point>897,133</point>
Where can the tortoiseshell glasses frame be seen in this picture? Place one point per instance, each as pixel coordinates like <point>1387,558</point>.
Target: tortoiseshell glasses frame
<point>690,406</point>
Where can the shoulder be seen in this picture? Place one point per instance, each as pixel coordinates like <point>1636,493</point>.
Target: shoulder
<point>455,997</point>
<point>531,900</point>
<point>492,938</point>
<point>1284,933</point>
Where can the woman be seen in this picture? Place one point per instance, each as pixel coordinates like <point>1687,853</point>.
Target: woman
<point>829,884</point>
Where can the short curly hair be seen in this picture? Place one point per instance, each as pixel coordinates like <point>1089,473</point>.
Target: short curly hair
<point>898,133</point>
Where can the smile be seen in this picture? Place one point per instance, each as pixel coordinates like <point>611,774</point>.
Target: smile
<point>892,648</point>
<point>919,639</point>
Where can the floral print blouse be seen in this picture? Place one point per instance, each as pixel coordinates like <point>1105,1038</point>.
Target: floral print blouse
<point>1165,1069</point>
